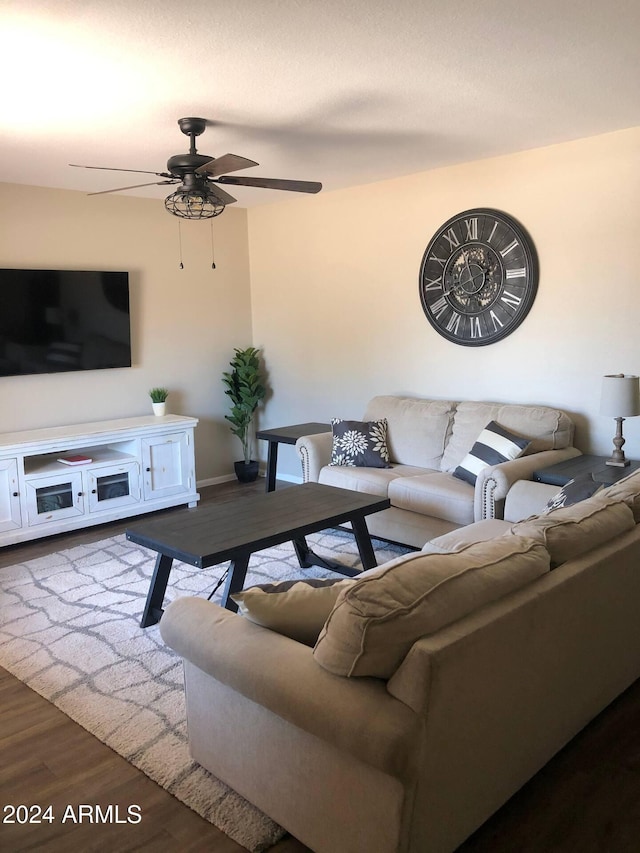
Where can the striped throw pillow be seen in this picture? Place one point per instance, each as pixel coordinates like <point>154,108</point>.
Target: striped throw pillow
<point>494,445</point>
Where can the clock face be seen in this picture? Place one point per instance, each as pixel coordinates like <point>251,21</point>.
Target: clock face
<point>478,277</point>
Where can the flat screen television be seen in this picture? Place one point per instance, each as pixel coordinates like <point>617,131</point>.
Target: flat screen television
<point>62,320</point>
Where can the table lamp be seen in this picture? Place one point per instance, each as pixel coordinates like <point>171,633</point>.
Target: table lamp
<point>620,399</point>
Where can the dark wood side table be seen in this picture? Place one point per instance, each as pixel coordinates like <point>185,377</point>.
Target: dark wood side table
<point>285,435</point>
<point>580,466</point>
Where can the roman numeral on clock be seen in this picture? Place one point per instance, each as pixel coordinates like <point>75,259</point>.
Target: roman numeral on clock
<point>454,323</point>
<point>510,299</point>
<point>434,283</point>
<point>497,322</point>
<point>517,273</point>
<point>451,238</point>
<point>471,226</point>
<point>504,252</point>
<point>439,307</point>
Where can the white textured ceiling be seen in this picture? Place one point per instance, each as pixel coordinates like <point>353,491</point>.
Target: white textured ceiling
<point>340,92</point>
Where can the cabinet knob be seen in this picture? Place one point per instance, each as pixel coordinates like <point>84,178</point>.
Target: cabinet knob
<point>147,469</point>
<point>93,491</point>
<point>15,494</point>
<point>79,494</point>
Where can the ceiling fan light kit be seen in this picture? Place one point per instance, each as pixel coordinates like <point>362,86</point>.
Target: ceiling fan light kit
<point>197,198</point>
<point>197,202</point>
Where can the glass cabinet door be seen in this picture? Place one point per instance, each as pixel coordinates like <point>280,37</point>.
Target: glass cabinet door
<point>49,498</point>
<point>117,485</point>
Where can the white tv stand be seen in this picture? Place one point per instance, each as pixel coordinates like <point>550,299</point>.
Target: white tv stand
<point>137,465</point>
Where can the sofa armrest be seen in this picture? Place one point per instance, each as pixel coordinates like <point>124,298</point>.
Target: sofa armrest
<point>526,498</point>
<point>493,483</point>
<point>314,452</point>
<point>282,676</point>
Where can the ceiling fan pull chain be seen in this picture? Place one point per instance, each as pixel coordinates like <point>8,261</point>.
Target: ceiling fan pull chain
<point>213,262</point>
<point>180,244</point>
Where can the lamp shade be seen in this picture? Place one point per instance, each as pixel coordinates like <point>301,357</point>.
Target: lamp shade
<point>620,396</point>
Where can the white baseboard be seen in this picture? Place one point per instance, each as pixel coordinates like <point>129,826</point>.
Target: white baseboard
<point>215,481</point>
<point>289,478</point>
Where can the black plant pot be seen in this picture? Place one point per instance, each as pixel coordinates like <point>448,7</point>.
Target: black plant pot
<point>246,472</point>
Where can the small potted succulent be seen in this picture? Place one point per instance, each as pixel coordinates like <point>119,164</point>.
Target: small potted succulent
<point>246,390</point>
<point>158,400</point>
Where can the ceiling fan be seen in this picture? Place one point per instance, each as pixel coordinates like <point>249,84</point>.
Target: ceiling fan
<point>200,196</point>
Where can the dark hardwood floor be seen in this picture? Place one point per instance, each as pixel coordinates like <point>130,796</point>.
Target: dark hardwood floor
<point>586,800</point>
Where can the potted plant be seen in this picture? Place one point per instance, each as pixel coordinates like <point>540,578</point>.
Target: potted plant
<point>246,390</point>
<point>158,400</point>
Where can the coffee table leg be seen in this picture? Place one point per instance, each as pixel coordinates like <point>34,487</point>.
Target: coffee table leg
<point>155,596</point>
<point>307,558</point>
<point>363,541</point>
<point>235,581</point>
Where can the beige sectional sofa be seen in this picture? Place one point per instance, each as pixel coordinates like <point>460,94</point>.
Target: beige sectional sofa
<point>427,440</point>
<point>439,682</point>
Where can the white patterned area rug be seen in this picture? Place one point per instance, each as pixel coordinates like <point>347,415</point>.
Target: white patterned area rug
<point>70,630</point>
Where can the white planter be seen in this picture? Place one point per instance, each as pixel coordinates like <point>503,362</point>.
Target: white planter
<point>159,408</point>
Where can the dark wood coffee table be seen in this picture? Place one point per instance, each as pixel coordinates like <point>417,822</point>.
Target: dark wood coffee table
<point>208,535</point>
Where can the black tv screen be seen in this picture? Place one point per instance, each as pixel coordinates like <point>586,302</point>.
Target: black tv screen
<point>62,320</point>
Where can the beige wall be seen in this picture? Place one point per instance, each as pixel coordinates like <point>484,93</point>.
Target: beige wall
<point>331,296</point>
<point>334,285</point>
<point>184,323</point>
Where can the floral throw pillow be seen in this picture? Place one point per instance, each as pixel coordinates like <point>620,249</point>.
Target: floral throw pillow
<point>361,444</point>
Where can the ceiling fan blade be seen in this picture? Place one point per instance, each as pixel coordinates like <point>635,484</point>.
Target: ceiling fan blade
<point>224,196</point>
<point>135,186</point>
<point>114,169</point>
<point>224,164</point>
<point>273,184</point>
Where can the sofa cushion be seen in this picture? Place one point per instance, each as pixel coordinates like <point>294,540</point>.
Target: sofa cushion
<point>628,490</point>
<point>418,430</point>
<point>435,494</point>
<point>372,481</point>
<point>548,429</point>
<point>571,531</point>
<point>462,537</point>
<point>378,618</point>
<point>359,443</point>
<point>295,608</point>
<point>494,445</point>
<point>576,490</point>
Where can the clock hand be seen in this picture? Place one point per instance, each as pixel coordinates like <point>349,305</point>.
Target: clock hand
<point>451,289</point>
<point>479,275</point>
<point>472,277</point>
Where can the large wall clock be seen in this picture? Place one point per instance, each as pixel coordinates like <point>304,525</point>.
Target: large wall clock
<point>478,277</point>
